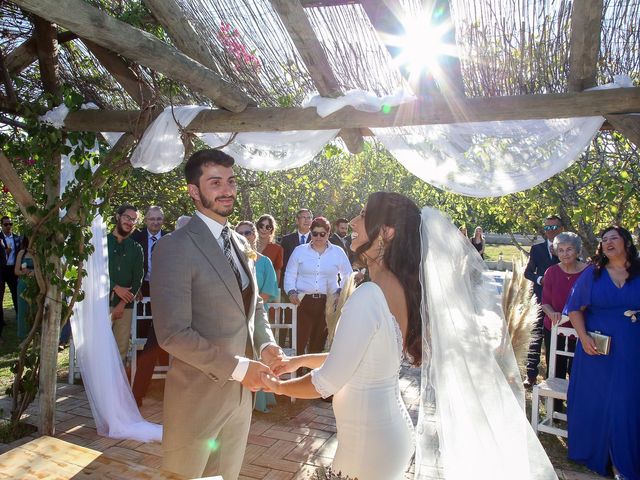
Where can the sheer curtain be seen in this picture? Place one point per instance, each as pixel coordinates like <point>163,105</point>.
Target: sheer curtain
<point>112,404</point>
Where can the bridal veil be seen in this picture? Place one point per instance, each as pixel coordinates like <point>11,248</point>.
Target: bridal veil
<point>472,422</point>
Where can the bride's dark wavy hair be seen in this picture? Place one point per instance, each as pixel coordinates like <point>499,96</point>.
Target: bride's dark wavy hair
<point>401,255</point>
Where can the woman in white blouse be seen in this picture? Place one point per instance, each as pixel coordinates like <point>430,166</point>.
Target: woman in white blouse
<point>314,270</point>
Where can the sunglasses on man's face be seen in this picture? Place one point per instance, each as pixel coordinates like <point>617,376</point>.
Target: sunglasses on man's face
<point>265,226</point>
<point>7,224</point>
<point>322,234</point>
<point>246,233</point>
<point>551,228</point>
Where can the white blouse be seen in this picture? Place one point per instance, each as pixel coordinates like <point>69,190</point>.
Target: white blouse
<point>311,272</point>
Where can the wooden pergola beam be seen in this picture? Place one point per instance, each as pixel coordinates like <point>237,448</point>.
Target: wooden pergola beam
<point>122,72</point>
<point>299,27</point>
<point>628,125</point>
<point>26,53</point>
<point>138,46</point>
<point>586,25</point>
<point>421,112</point>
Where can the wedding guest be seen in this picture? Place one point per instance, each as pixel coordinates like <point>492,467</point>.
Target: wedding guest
<point>478,241</point>
<point>182,221</point>
<point>126,269</point>
<point>299,237</point>
<point>603,410</point>
<point>268,290</point>
<point>541,257</point>
<point>559,279</point>
<point>311,273</point>
<point>340,236</point>
<point>266,244</point>
<point>151,354</point>
<point>463,231</point>
<point>23,270</point>
<point>265,273</point>
<point>9,246</point>
<point>289,242</point>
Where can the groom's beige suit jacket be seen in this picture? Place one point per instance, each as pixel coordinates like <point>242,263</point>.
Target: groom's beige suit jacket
<point>200,320</point>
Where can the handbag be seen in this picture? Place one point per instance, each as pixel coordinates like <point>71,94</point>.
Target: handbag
<point>603,342</point>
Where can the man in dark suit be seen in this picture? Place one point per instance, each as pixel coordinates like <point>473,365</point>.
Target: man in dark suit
<point>147,359</point>
<point>289,242</point>
<point>340,236</point>
<point>541,257</point>
<point>10,245</point>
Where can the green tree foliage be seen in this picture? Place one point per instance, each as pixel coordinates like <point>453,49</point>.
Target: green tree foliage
<point>601,187</point>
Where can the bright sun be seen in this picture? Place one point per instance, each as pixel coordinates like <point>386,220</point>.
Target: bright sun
<point>422,47</point>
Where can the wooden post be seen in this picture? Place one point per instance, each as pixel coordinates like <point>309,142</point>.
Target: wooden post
<point>47,48</point>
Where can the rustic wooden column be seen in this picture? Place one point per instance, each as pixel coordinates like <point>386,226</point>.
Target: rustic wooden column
<point>47,49</point>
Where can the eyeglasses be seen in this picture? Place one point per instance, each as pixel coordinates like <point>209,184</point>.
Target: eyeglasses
<point>322,234</point>
<point>266,226</point>
<point>7,224</point>
<point>551,228</point>
<point>246,233</point>
<point>124,216</point>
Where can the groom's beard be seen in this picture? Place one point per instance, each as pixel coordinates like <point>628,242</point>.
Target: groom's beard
<point>210,204</point>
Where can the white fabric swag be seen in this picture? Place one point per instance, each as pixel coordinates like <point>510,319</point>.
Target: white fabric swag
<point>479,159</point>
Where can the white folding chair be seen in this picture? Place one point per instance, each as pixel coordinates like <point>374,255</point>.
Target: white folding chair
<point>74,371</point>
<point>137,344</point>
<point>552,388</point>
<point>278,323</point>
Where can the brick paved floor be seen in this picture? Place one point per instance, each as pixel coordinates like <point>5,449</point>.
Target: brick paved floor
<point>289,443</point>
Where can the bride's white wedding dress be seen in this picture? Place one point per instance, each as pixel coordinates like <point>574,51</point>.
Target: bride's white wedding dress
<point>375,433</point>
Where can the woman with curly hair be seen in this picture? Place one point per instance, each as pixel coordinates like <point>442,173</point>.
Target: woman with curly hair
<point>603,399</point>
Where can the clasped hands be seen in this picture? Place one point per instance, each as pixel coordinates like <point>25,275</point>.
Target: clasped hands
<point>264,375</point>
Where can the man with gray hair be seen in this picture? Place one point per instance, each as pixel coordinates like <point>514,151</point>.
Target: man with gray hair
<point>147,359</point>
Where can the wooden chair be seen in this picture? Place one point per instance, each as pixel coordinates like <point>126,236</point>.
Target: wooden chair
<point>552,388</point>
<point>276,315</point>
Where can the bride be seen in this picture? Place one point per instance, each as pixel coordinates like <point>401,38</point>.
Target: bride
<point>426,302</point>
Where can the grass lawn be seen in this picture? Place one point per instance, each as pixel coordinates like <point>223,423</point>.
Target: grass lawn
<point>492,252</point>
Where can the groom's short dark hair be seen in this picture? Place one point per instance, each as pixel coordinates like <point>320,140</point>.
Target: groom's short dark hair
<point>193,167</point>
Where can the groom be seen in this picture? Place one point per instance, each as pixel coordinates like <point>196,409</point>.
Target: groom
<point>209,318</point>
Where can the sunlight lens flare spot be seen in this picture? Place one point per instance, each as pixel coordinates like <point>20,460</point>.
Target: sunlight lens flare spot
<point>213,444</point>
<point>423,46</point>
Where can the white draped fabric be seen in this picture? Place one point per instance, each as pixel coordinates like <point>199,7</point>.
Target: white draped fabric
<point>112,404</point>
<point>114,409</point>
<point>472,421</point>
<point>480,159</point>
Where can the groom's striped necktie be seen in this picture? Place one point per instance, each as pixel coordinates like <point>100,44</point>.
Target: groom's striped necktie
<point>227,253</point>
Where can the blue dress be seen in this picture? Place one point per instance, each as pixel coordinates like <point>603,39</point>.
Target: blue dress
<point>267,283</point>
<point>23,305</point>
<point>603,407</point>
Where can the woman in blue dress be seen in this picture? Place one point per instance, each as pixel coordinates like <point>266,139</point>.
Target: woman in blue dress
<point>267,289</point>
<point>23,269</point>
<point>604,390</point>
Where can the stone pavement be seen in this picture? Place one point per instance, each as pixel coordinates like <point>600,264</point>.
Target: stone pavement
<point>291,442</point>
